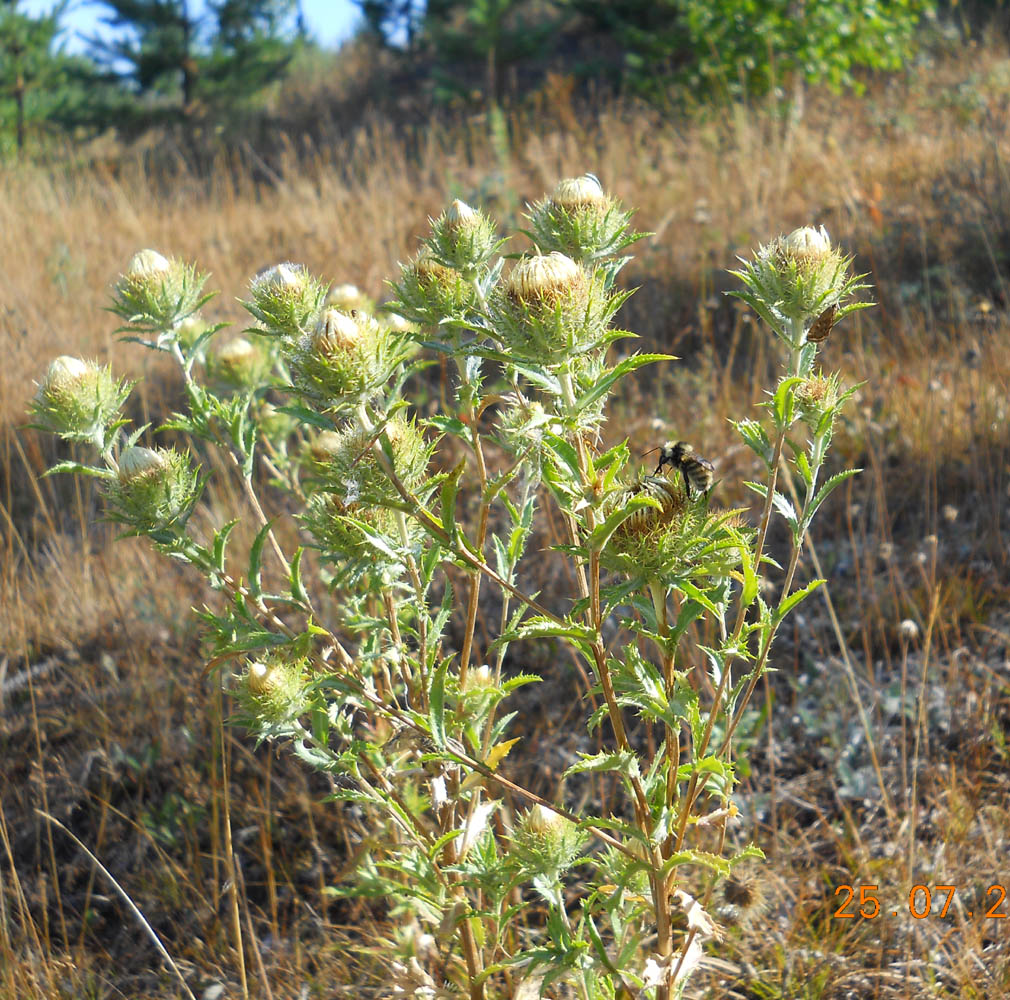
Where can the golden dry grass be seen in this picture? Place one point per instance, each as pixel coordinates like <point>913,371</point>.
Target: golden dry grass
<point>113,735</point>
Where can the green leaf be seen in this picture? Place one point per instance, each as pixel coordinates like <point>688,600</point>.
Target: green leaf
<point>602,532</point>
<point>436,699</point>
<point>782,402</point>
<point>450,488</point>
<point>715,862</point>
<point>756,439</point>
<point>298,591</point>
<point>824,492</point>
<point>256,558</point>
<point>79,468</point>
<point>750,579</point>
<point>624,762</point>
<point>785,508</point>
<point>625,367</point>
<point>220,543</point>
<point>794,598</point>
<point>803,465</point>
<point>449,425</point>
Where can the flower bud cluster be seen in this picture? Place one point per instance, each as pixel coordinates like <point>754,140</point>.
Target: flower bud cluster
<point>78,399</point>
<point>350,515</point>
<point>156,293</point>
<point>154,489</point>
<point>580,220</point>
<point>351,463</point>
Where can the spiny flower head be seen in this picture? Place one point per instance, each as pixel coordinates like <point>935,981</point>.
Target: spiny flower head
<point>286,299</point>
<point>78,399</point>
<point>581,220</point>
<point>345,359</point>
<point>462,238</point>
<point>155,294</point>
<point>238,364</point>
<point>154,489</point>
<point>674,537</point>
<point>352,463</point>
<point>574,193</point>
<point>430,292</point>
<point>362,540</point>
<point>545,842</point>
<point>348,298</point>
<point>796,280</point>
<point>273,690</point>
<point>550,309</point>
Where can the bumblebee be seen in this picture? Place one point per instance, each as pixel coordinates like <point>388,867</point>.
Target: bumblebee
<point>697,471</point>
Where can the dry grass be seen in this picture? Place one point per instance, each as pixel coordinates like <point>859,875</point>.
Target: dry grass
<point>104,721</point>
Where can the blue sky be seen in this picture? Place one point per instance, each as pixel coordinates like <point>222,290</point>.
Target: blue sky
<point>330,21</point>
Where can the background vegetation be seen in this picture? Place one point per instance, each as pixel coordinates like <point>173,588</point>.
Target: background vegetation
<point>104,720</point>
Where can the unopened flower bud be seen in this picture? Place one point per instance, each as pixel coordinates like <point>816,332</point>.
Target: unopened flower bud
<point>543,822</point>
<point>544,841</point>
<point>462,238</point>
<point>544,277</point>
<point>274,690</point>
<point>580,220</point>
<point>807,243</point>
<point>336,332</point>
<point>286,299</point>
<point>77,399</point>
<point>147,264</point>
<point>479,678</point>
<point>155,489</point>
<point>239,363</point>
<point>156,294</point>
<point>61,373</point>
<point>281,278</point>
<point>801,281</point>
<point>137,462</point>
<point>578,192</point>
<point>459,215</point>
<point>348,298</point>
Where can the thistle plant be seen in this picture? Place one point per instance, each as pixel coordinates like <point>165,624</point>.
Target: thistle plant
<point>360,650</point>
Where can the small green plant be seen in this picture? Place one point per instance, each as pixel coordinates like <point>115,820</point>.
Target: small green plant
<point>361,650</point>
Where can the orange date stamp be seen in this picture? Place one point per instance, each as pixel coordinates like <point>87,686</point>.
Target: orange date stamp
<point>862,901</point>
